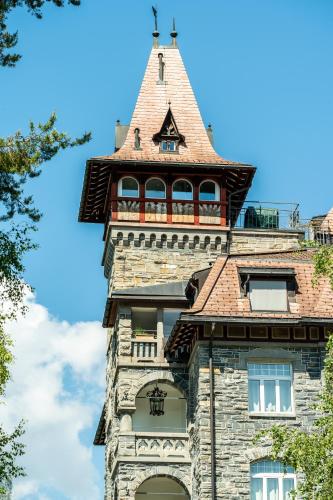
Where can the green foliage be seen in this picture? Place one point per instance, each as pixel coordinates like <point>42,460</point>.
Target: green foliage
<point>10,449</point>
<point>9,40</point>
<point>21,157</point>
<point>311,453</point>
<point>323,263</point>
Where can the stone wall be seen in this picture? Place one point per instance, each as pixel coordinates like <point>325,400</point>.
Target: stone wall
<point>234,428</point>
<point>139,259</point>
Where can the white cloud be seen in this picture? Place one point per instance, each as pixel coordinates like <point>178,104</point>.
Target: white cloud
<point>57,387</point>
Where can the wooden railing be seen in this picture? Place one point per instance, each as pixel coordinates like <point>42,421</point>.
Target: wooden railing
<point>169,211</point>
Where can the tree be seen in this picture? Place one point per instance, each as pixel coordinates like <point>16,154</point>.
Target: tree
<point>9,40</point>
<point>21,158</point>
<point>311,453</point>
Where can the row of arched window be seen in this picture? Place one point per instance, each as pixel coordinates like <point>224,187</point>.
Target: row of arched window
<point>182,189</point>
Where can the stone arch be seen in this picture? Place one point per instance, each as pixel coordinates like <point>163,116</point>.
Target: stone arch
<point>161,471</point>
<point>166,377</point>
<point>258,453</point>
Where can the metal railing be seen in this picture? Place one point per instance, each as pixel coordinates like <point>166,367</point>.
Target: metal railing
<point>265,215</point>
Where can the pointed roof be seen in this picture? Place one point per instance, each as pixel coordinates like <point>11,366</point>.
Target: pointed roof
<point>151,110</point>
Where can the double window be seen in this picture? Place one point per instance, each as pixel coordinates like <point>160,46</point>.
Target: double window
<point>270,388</point>
<point>271,481</point>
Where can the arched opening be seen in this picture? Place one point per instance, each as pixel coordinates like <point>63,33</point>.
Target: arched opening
<point>155,188</point>
<point>158,488</point>
<point>173,418</point>
<point>128,187</point>
<point>209,191</point>
<point>182,190</point>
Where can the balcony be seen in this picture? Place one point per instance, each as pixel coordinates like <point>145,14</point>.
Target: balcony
<point>149,444</point>
<point>145,345</point>
<point>267,216</point>
<point>170,211</point>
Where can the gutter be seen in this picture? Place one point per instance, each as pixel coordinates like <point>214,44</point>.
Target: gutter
<point>212,414</point>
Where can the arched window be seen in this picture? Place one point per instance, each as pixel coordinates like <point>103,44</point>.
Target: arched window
<point>271,480</point>
<point>209,191</point>
<point>182,190</point>
<point>129,187</point>
<point>155,188</point>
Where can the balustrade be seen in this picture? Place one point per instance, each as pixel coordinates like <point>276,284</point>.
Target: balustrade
<point>175,445</point>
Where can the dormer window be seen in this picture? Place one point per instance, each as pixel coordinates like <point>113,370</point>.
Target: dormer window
<point>268,289</point>
<point>268,295</point>
<point>168,146</point>
<point>169,137</point>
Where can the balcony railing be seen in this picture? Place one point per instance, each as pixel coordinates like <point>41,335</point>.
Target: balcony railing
<point>168,446</point>
<point>265,215</point>
<point>170,211</point>
<point>145,345</point>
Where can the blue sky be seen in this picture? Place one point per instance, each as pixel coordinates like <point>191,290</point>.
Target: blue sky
<point>263,76</point>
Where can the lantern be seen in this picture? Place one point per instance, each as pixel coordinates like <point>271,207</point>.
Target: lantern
<point>156,401</point>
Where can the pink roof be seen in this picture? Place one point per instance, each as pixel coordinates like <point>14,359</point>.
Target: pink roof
<point>221,294</point>
<point>151,109</point>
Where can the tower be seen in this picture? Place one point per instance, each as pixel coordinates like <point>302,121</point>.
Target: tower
<point>167,201</point>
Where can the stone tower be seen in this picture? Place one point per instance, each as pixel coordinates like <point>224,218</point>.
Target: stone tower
<point>167,201</point>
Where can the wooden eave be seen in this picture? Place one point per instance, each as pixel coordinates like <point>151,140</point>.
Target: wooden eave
<point>95,192</point>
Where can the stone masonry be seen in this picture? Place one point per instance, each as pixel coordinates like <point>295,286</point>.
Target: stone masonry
<point>234,427</point>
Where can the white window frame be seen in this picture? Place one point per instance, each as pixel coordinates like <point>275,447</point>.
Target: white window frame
<point>157,179</point>
<point>276,378</point>
<point>182,199</point>
<point>120,187</point>
<point>217,190</point>
<point>280,476</point>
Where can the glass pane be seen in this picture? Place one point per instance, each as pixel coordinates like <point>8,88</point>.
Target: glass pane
<point>272,489</point>
<point>164,146</point>
<point>270,399</point>
<point>285,395</point>
<point>207,191</point>
<point>254,395</point>
<point>288,485</point>
<point>182,190</point>
<point>129,187</point>
<point>268,295</point>
<point>270,369</point>
<point>144,321</point>
<point>172,146</point>
<point>155,188</point>
<point>170,317</point>
<point>256,489</point>
<point>269,467</point>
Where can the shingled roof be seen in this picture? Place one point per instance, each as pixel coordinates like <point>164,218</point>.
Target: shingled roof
<point>153,103</point>
<point>221,296</point>
<point>173,95</point>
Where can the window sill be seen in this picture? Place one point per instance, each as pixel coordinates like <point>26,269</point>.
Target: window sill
<point>272,414</point>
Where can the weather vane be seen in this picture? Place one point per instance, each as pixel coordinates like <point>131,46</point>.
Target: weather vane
<point>155,16</point>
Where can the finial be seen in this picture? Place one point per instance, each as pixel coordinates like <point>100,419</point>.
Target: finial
<point>169,104</point>
<point>174,33</point>
<point>155,32</point>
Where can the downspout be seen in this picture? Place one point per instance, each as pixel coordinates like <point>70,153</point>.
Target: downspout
<point>212,414</point>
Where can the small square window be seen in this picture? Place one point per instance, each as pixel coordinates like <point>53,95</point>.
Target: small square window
<point>168,146</point>
<point>268,295</point>
<point>270,388</point>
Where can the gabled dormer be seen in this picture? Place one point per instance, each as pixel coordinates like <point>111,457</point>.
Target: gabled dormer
<point>169,137</point>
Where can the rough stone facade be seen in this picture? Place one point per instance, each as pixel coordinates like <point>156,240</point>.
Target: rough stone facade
<point>134,258</point>
<point>235,428</point>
